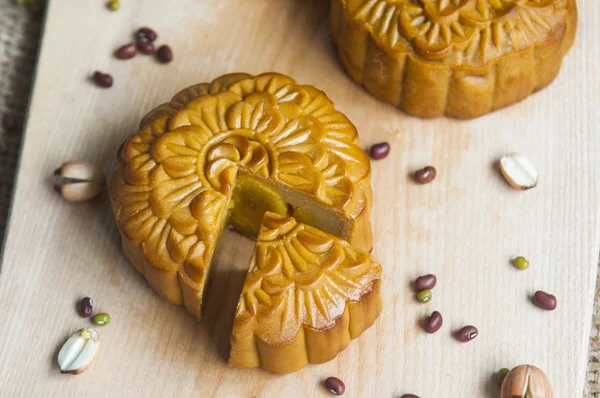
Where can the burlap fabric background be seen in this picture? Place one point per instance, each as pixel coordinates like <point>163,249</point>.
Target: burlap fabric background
<point>19,41</point>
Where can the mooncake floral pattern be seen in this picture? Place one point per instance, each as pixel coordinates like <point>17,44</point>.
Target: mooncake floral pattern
<point>301,277</point>
<point>461,31</point>
<point>175,175</point>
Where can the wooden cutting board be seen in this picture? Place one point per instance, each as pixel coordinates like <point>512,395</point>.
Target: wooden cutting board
<point>465,226</point>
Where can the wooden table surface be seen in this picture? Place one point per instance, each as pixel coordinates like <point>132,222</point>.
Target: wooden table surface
<point>465,226</point>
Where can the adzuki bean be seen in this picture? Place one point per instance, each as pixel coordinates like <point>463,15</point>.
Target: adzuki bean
<point>544,300</point>
<point>467,333</point>
<point>335,386</point>
<point>425,175</point>
<point>103,79</point>
<point>380,150</point>
<point>433,323</point>
<point>86,307</point>
<point>126,51</point>
<point>409,396</point>
<point>164,54</point>
<point>145,34</point>
<point>145,46</point>
<point>425,282</point>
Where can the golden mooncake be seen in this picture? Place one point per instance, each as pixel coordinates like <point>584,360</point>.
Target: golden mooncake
<point>306,295</point>
<point>226,152</point>
<point>459,58</point>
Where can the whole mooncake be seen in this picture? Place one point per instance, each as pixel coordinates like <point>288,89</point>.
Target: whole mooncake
<point>459,58</point>
<point>227,152</point>
<point>306,295</point>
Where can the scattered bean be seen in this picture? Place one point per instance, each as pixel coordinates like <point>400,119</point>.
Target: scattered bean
<point>424,296</point>
<point>467,333</point>
<point>125,52</point>
<point>86,307</point>
<point>145,46</point>
<point>518,171</point>
<point>544,300</point>
<point>145,34</point>
<point>527,381</point>
<point>335,386</point>
<point>425,175</point>
<point>425,282</point>
<point>521,263</point>
<point>10,121</point>
<point>113,5</point>
<point>78,352</point>
<point>164,54</point>
<point>501,375</point>
<point>433,323</point>
<point>380,150</point>
<point>409,396</point>
<point>101,319</point>
<point>103,79</point>
<point>78,180</point>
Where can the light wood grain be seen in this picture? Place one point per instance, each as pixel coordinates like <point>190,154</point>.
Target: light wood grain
<point>465,226</point>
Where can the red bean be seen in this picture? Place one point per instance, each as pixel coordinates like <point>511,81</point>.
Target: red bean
<point>335,386</point>
<point>467,333</point>
<point>145,34</point>
<point>164,54</point>
<point>103,79</point>
<point>425,282</point>
<point>544,300</point>
<point>86,307</point>
<point>125,52</point>
<point>433,323</point>
<point>409,396</point>
<point>425,175</point>
<point>380,150</point>
<point>145,46</point>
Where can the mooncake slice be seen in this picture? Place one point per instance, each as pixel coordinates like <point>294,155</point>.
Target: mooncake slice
<point>460,58</point>
<point>306,295</point>
<point>224,153</point>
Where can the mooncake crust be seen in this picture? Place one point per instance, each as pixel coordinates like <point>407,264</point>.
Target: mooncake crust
<point>458,58</point>
<point>174,177</point>
<point>306,295</point>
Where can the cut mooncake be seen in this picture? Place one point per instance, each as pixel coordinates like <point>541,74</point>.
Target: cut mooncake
<point>306,295</point>
<point>226,152</point>
<point>460,58</point>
